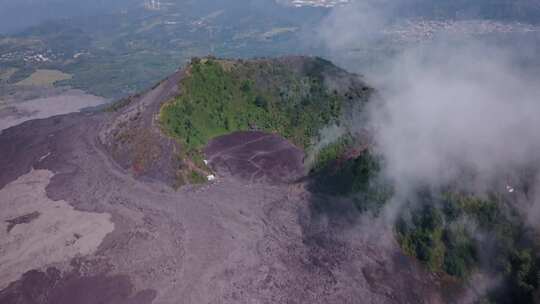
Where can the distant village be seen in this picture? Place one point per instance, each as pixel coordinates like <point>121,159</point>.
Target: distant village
<point>422,30</point>
<point>318,3</point>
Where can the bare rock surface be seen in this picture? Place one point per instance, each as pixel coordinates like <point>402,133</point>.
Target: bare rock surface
<point>36,231</point>
<point>256,157</point>
<point>51,287</point>
<point>224,242</point>
<point>134,138</point>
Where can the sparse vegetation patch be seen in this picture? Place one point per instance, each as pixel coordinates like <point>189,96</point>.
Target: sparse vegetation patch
<point>44,78</point>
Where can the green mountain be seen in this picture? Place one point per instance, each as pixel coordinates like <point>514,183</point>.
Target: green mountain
<point>295,97</point>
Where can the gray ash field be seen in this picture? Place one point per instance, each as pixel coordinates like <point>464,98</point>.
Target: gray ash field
<point>122,236</point>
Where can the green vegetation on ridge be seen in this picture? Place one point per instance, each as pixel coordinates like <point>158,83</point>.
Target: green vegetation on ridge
<point>220,97</point>
<point>343,168</point>
<point>458,234</point>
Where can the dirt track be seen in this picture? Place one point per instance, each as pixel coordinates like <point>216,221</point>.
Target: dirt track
<point>231,241</point>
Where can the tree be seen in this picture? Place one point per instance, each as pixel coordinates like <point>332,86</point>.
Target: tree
<point>261,102</point>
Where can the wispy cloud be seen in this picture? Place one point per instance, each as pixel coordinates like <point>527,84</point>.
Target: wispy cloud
<point>451,104</point>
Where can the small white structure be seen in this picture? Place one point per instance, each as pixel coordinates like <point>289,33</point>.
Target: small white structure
<point>205,162</point>
<point>510,189</point>
<point>211,177</point>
